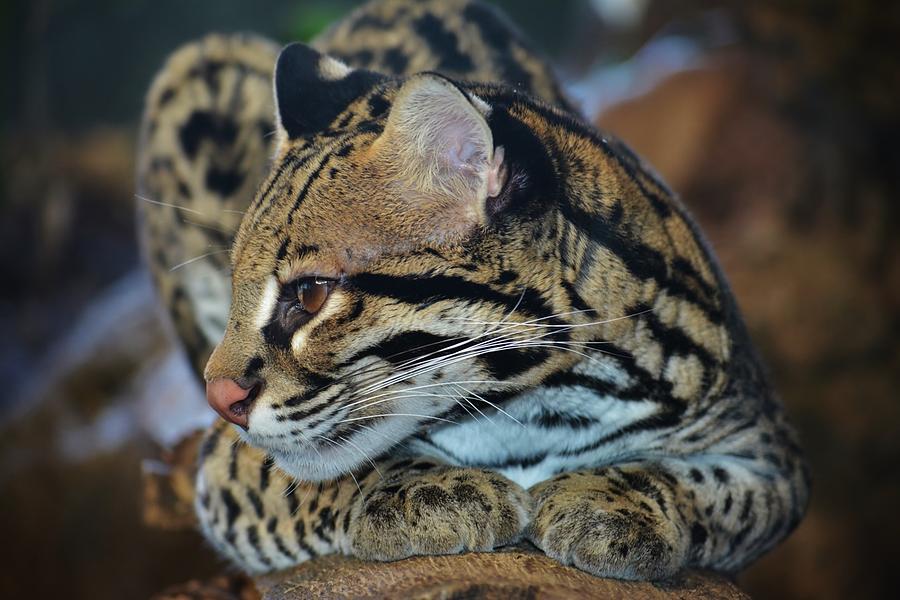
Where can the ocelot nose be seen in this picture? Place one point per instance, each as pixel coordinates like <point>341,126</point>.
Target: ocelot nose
<point>232,400</point>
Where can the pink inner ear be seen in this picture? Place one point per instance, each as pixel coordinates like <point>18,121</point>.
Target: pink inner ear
<point>463,153</point>
<point>440,146</point>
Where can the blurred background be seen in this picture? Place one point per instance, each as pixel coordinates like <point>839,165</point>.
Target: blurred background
<point>777,122</point>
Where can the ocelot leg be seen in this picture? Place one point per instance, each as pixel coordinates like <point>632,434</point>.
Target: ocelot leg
<point>648,519</point>
<point>425,508</point>
<point>262,520</point>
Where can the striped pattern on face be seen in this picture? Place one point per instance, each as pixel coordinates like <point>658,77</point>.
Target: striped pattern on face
<point>589,260</point>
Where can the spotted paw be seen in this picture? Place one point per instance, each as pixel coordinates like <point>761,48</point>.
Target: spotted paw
<point>445,510</point>
<point>605,534</point>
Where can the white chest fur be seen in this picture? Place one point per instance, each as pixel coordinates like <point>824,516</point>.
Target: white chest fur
<point>522,447</point>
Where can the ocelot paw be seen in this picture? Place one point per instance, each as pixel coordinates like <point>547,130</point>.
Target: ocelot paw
<point>445,510</point>
<point>603,533</point>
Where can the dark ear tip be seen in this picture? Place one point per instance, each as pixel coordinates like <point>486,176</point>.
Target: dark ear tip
<point>311,88</point>
<point>294,58</point>
<point>295,76</point>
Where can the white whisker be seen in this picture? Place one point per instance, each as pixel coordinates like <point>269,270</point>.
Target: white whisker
<point>365,455</point>
<point>393,441</point>
<point>494,345</point>
<point>350,420</point>
<point>503,335</point>
<point>408,390</point>
<point>196,258</point>
<point>157,202</point>
<point>466,398</point>
<point>350,473</point>
<point>536,322</point>
<point>387,396</point>
<point>497,408</point>
<point>210,227</point>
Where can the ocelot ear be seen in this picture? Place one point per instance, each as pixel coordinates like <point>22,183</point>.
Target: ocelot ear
<point>438,143</point>
<point>312,89</point>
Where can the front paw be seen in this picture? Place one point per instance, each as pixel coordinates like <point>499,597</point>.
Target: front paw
<point>445,510</point>
<point>606,534</point>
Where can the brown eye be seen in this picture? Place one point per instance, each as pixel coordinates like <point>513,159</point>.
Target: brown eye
<point>312,293</point>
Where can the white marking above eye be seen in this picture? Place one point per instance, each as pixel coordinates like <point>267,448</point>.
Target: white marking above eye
<point>267,303</point>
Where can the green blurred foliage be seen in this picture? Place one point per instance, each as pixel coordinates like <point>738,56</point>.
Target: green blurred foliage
<point>308,20</point>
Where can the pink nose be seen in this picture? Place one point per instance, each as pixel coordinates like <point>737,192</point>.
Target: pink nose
<point>230,400</point>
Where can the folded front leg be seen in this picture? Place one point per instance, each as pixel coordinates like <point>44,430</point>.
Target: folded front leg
<point>263,520</point>
<point>648,519</point>
<point>421,507</point>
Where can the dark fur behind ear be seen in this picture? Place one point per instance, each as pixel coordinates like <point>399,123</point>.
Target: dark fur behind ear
<point>312,89</point>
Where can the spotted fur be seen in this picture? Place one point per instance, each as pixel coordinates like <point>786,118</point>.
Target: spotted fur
<point>527,335</point>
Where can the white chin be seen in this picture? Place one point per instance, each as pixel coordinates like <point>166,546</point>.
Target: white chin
<point>315,467</point>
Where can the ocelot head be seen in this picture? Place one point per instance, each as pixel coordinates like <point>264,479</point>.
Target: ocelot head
<point>416,255</point>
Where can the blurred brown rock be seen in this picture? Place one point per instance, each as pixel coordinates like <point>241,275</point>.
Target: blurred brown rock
<point>224,587</point>
<point>512,573</point>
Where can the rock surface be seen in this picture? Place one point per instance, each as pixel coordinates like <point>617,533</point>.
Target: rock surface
<point>513,573</point>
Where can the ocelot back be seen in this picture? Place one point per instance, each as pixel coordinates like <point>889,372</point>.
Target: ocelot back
<point>459,315</point>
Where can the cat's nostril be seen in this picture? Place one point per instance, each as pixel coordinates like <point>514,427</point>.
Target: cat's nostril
<point>233,400</point>
<point>242,407</point>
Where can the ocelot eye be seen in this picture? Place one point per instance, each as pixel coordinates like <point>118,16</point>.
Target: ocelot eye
<point>312,293</point>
